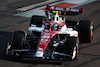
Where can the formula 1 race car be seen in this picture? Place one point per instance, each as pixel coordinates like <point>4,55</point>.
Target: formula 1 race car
<point>52,36</point>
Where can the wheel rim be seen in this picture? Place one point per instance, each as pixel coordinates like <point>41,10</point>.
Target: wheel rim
<point>77,50</point>
<point>91,31</point>
<point>74,53</point>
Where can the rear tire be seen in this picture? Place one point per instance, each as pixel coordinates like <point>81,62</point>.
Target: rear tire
<point>18,40</point>
<point>37,20</point>
<point>86,29</point>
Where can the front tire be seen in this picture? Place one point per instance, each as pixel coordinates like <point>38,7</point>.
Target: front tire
<point>18,40</point>
<point>71,46</point>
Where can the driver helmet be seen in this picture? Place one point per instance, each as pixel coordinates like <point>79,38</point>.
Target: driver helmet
<point>56,19</point>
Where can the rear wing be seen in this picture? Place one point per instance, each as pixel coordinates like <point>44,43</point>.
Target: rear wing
<point>64,10</point>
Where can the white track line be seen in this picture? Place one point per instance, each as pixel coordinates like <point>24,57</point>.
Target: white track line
<point>36,5</point>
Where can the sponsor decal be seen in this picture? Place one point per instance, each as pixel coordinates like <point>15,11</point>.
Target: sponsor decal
<point>52,8</point>
<point>56,11</point>
<point>59,8</point>
<point>39,54</point>
<point>72,9</point>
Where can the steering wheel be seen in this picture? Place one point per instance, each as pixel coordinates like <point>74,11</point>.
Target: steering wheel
<point>58,26</point>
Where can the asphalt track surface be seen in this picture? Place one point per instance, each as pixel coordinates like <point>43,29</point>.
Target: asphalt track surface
<point>89,55</point>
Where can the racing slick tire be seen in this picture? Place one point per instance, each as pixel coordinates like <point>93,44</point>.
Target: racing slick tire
<point>37,20</point>
<point>86,30</point>
<point>72,47</point>
<point>18,40</point>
